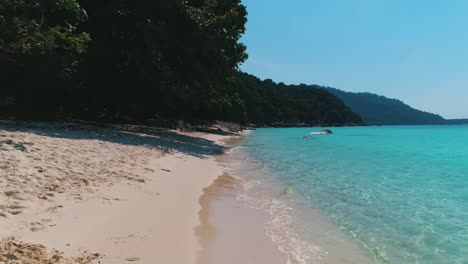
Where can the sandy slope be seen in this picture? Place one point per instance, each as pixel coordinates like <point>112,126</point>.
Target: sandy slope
<point>101,195</point>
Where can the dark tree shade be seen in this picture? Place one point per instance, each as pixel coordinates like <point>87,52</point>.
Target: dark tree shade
<point>40,47</point>
<point>134,60</point>
<point>166,58</point>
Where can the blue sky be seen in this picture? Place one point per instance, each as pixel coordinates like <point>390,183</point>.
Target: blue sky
<point>413,50</point>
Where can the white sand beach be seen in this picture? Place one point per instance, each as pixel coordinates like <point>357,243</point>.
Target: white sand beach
<point>80,194</point>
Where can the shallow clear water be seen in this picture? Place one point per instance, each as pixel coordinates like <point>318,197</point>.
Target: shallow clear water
<point>400,193</point>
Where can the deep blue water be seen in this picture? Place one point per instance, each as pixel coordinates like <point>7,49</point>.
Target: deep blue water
<point>400,192</point>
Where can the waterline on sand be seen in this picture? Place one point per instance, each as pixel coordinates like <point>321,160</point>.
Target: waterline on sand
<point>247,204</point>
<point>230,231</point>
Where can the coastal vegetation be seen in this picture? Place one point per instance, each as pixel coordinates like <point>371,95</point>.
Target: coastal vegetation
<point>132,61</point>
<point>270,103</point>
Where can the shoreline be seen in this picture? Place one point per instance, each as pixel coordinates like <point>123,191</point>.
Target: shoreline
<point>231,231</point>
<point>298,230</point>
<point>82,194</point>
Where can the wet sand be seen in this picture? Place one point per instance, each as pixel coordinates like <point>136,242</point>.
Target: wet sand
<point>248,216</point>
<point>231,232</point>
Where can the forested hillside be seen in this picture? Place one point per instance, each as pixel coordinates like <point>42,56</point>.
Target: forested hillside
<point>130,61</point>
<point>380,110</point>
<point>268,103</point>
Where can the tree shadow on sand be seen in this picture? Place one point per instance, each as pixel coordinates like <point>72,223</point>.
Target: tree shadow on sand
<point>162,139</point>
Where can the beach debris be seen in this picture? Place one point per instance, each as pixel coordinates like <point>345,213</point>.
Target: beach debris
<point>42,197</point>
<point>166,170</point>
<point>13,251</point>
<point>21,146</point>
<point>10,257</point>
<point>132,259</point>
<point>35,229</point>
<point>287,191</point>
<point>10,193</point>
<point>85,181</point>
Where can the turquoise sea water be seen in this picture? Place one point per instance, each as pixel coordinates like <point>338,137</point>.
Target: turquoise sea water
<point>398,192</point>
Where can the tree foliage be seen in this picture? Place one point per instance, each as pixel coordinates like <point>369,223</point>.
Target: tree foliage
<point>172,58</point>
<point>130,61</point>
<point>271,103</point>
<point>40,27</point>
<point>39,51</point>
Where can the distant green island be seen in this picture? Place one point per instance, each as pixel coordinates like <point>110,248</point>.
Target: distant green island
<point>379,110</point>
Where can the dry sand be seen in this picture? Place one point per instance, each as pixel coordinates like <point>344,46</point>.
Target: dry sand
<point>80,194</point>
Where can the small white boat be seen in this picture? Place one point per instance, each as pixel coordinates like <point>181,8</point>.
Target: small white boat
<point>320,132</point>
